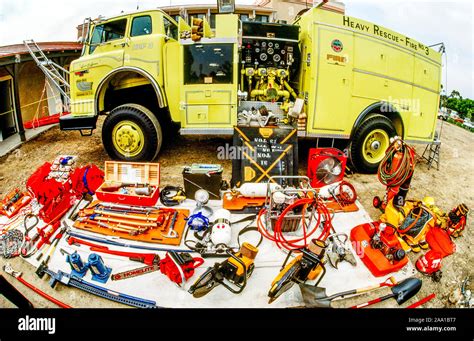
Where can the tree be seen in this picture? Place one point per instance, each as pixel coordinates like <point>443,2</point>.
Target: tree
<point>463,106</point>
<point>455,94</point>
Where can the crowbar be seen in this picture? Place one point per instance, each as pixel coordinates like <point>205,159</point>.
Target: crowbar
<point>16,274</point>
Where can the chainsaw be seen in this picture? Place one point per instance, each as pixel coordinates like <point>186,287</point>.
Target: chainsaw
<point>231,273</point>
<point>308,265</point>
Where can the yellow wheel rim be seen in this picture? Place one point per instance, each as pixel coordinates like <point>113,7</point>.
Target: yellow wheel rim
<point>128,138</point>
<point>375,145</point>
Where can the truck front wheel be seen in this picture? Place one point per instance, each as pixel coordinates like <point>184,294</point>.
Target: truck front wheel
<point>370,142</point>
<point>131,132</point>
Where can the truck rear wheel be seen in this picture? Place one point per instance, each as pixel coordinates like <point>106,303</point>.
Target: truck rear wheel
<point>370,142</point>
<point>131,132</point>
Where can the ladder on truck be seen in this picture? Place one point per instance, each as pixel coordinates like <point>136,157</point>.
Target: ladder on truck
<point>55,73</point>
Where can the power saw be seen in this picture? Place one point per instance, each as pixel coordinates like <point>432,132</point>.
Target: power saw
<point>308,265</point>
<point>231,273</point>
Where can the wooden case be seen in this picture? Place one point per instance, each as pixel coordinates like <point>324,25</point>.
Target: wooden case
<point>132,173</point>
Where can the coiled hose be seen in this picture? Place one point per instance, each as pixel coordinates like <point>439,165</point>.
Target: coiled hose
<point>296,242</point>
<point>392,175</point>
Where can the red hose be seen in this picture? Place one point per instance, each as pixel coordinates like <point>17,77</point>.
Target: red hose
<point>294,243</point>
<point>41,293</point>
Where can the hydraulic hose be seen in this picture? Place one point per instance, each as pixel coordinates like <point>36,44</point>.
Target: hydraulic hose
<point>296,242</point>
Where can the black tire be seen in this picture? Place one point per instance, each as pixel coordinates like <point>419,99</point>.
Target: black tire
<point>145,120</point>
<point>369,125</point>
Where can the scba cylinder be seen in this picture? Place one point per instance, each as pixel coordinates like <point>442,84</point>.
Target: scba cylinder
<point>221,232</point>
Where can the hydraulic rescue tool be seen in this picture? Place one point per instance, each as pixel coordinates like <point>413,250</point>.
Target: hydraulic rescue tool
<point>308,265</point>
<point>232,273</point>
<point>338,250</point>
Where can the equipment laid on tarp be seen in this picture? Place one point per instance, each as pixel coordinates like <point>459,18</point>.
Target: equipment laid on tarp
<point>267,234</point>
<point>141,223</point>
<point>339,197</point>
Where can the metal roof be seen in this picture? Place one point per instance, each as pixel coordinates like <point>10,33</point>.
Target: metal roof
<point>54,46</point>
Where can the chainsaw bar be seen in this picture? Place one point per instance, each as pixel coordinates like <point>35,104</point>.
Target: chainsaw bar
<point>135,272</point>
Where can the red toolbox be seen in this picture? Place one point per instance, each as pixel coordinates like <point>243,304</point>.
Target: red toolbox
<point>130,183</point>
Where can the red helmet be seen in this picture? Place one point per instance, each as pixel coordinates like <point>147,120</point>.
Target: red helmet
<point>429,263</point>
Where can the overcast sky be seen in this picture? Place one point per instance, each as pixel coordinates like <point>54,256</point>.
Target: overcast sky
<point>429,22</point>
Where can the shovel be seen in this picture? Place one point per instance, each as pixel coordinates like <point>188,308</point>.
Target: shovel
<point>316,297</point>
<point>402,292</point>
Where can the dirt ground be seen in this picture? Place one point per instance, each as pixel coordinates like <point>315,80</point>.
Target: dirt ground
<point>451,185</point>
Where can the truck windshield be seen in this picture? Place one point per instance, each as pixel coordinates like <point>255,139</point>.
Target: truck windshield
<point>106,32</point>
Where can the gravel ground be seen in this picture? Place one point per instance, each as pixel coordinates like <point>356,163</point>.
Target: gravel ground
<point>449,186</point>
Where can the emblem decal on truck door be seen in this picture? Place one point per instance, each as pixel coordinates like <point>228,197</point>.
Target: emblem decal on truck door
<point>336,45</point>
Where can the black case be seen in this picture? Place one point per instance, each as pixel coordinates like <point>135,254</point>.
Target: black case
<point>194,182</point>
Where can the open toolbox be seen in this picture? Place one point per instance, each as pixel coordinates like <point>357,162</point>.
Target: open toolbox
<point>130,183</point>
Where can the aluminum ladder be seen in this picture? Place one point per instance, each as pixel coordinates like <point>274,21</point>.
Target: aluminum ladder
<point>55,73</point>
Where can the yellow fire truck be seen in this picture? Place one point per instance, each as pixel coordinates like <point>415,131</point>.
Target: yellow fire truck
<point>351,79</point>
